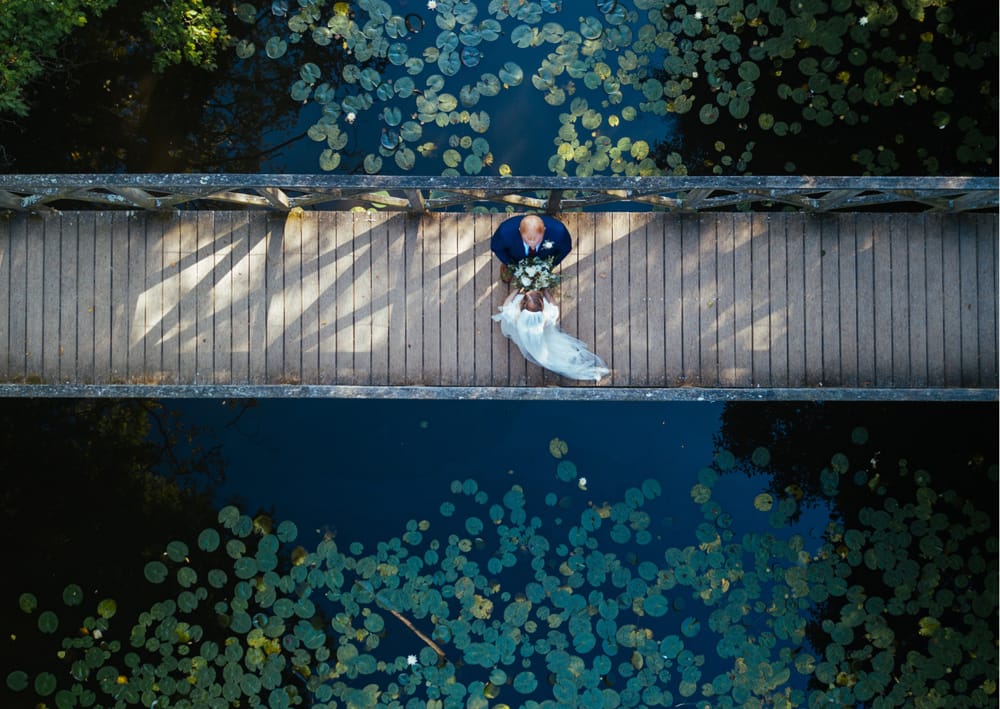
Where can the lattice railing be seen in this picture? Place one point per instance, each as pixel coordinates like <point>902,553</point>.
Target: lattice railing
<point>551,194</point>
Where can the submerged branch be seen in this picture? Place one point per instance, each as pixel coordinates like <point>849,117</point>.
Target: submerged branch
<point>430,643</point>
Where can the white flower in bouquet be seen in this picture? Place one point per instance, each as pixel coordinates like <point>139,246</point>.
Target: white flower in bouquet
<point>535,273</point>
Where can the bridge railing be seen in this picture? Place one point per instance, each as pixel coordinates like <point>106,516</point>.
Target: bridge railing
<point>415,194</point>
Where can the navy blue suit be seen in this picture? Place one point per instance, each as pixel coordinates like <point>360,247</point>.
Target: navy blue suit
<point>509,248</point>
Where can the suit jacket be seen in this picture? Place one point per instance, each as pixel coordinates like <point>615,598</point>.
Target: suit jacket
<point>509,248</point>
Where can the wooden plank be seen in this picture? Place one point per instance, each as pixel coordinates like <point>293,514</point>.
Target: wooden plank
<point>171,294</point>
<point>361,284</point>
<point>882,274</point>
<point>22,229</point>
<point>222,299</point>
<point>900,324</point>
<point>291,299</point>
<point>916,230</point>
<point>968,295</point>
<point>103,302</point>
<point>829,227</point>
<point>603,302</point>
<point>430,236</point>
<point>156,226</point>
<point>638,300</point>
<point>240,306</point>
<point>725,302</point>
<point>448,300</point>
<point>652,260</point>
<point>760,286</point>
<point>743,293</point>
<point>986,278</point>
<point>813,285</point>
<point>708,296</point>
<point>396,298</point>
<point>120,305</point>
<point>275,299</point>
<point>379,305</point>
<point>483,293</point>
<point>847,307</point>
<point>673,299</point>
<point>620,352</point>
<point>259,236</point>
<point>188,299</point>
<point>309,341</point>
<point>136,303</point>
<point>690,320</point>
<point>796,298</point>
<point>50,287</point>
<point>465,297</point>
<point>6,244</point>
<point>864,239</point>
<point>34,317</point>
<point>934,283</point>
<point>328,283</point>
<point>344,288</point>
<point>414,252</point>
<point>204,299</point>
<point>778,290</point>
<point>83,277</point>
<point>952,304</point>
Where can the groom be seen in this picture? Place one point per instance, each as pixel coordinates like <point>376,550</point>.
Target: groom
<point>531,235</point>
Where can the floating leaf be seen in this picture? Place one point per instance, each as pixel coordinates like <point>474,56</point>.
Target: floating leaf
<point>72,595</point>
<point>708,114</point>
<point>208,540</point>
<point>591,28</point>
<point>763,502</point>
<point>155,572</point>
<point>558,448</point>
<point>511,74</point>
<point>107,608</point>
<point>17,681</point>
<point>276,47</point>
<point>48,622</point>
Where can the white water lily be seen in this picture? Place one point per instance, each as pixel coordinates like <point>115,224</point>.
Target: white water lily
<point>411,660</point>
<point>431,5</point>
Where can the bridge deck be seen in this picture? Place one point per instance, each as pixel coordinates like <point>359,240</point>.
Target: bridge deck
<point>366,298</point>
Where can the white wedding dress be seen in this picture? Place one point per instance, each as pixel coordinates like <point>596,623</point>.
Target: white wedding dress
<point>541,341</point>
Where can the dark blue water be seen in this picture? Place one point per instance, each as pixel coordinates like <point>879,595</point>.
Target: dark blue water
<point>575,554</point>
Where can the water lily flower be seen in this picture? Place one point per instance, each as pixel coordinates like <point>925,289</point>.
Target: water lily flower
<point>431,5</point>
<point>411,660</point>
<point>351,117</point>
<point>863,21</point>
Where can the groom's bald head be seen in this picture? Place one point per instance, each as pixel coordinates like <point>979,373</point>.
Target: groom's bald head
<point>532,230</point>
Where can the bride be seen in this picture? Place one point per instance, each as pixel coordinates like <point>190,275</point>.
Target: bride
<point>531,320</point>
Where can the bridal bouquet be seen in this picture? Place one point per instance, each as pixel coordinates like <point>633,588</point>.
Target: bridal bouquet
<point>535,273</point>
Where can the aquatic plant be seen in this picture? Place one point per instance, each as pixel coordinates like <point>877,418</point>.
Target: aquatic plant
<point>559,601</point>
<point>432,82</point>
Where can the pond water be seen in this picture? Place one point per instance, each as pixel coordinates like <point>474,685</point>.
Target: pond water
<point>594,87</point>
<point>473,554</point>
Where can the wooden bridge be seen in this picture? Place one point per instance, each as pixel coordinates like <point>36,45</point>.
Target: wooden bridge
<point>183,285</point>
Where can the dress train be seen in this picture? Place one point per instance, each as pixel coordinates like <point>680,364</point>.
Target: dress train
<point>542,342</point>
